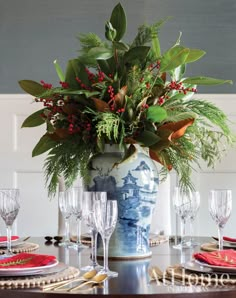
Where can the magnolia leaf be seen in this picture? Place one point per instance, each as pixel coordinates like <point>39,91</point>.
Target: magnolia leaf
<point>118,21</point>
<point>77,92</point>
<point>158,158</point>
<point>60,133</point>
<point>70,76</point>
<point>194,55</point>
<point>178,128</point>
<point>159,146</point>
<point>44,144</point>
<point>105,66</point>
<point>34,119</point>
<point>173,58</point>
<point>205,81</point>
<point>178,72</point>
<point>32,87</point>
<point>70,108</point>
<point>120,46</point>
<point>137,53</point>
<point>101,105</point>
<point>156,114</point>
<point>119,98</point>
<point>147,138</point>
<point>99,53</point>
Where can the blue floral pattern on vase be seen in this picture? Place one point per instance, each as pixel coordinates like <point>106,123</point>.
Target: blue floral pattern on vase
<point>134,184</point>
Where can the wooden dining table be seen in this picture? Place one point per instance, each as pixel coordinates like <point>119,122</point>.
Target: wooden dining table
<point>133,280</point>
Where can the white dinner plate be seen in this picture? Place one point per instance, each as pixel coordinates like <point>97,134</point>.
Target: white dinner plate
<point>13,244</point>
<point>28,270</point>
<point>217,268</point>
<point>197,266</point>
<point>5,242</point>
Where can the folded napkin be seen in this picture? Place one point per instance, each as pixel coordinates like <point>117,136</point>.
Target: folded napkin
<point>4,238</point>
<point>26,260</point>
<point>229,239</point>
<point>225,258</point>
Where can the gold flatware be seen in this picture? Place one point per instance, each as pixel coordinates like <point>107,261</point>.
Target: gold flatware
<point>60,284</point>
<point>97,279</point>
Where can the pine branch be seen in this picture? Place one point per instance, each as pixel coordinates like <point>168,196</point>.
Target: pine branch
<point>66,160</point>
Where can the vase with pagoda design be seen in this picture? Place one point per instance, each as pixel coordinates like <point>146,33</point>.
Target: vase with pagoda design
<point>134,184</point>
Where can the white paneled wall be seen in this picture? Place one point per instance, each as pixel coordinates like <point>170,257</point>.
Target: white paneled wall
<point>39,215</point>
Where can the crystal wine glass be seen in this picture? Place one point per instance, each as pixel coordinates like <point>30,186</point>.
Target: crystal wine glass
<point>220,206</point>
<point>76,199</point>
<point>64,200</point>
<point>182,207</point>
<point>195,204</point>
<point>89,199</point>
<point>9,208</point>
<point>105,215</point>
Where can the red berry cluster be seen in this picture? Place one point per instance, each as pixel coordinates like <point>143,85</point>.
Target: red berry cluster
<point>64,85</point>
<point>46,85</point>
<point>179,86</point>
<point>101,76</point>
<point>82,85</point>
<point>120,110</point>
<point>144,106</point>
<point>90,75</point>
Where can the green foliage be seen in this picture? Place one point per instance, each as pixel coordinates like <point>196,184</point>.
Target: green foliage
<point>34,119</point>
<point>127,93</point>
<point>67,159</point>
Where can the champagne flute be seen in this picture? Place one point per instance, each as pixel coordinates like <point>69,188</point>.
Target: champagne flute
<point>220,206</point>
<point>9,208</point>
<point>76,198</point>
<point>182,207</point>
<point>65,206</point>
<point>195,205</point>
<point>89,199</point>
<point>105,215</point>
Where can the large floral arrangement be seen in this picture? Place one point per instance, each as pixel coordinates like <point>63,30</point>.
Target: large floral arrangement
<point>127,93</point>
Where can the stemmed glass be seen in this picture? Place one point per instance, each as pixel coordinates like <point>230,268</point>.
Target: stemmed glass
<point>195,204</point>
<point>64,200</point>
<point>9,208</point>
<point>89,199</point>
<point>76,199</point>
<point>182,207</point>
<point>105,215</point>
<point>220,206</point>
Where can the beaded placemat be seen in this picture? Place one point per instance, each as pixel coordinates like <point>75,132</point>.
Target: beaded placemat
<point>23,247</point>
<point>39,280</point>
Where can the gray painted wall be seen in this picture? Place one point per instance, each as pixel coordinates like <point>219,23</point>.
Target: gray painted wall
<point>33,33</point>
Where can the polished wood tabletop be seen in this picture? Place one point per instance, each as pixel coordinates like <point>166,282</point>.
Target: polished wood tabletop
<point>132,281</point>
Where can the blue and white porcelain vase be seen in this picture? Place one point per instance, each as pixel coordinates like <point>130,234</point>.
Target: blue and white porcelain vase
<point>134,184</point>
